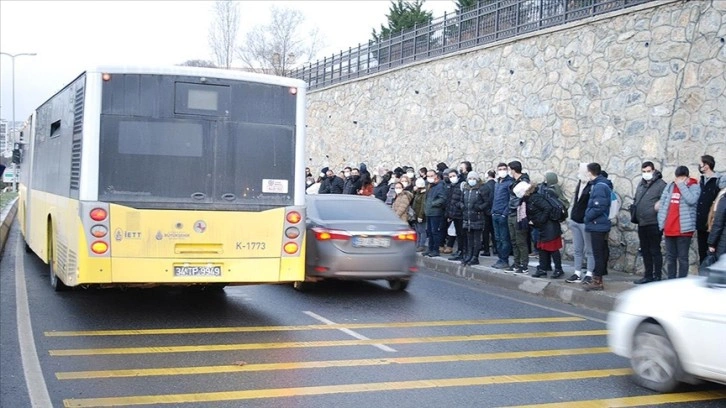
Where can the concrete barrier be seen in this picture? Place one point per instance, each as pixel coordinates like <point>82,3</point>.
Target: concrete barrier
<point>6,220</point>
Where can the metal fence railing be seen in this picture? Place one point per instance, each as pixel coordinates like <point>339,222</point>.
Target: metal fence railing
<point>489,22</point>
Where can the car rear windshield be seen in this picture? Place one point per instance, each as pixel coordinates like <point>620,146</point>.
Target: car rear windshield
<point>352,210</point>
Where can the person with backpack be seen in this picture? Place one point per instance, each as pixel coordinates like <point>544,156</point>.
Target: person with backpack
<point>598,224</point>
<point>677,220</point>
<point>473,204</point>
<point>546,213</point>
<point>643,213</point>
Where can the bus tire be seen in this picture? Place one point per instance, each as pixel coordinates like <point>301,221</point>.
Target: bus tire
<point>28,249</point>
<point>55,282</point>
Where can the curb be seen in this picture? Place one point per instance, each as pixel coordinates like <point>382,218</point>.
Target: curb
<point>6,220</point>
<point>569,293</point>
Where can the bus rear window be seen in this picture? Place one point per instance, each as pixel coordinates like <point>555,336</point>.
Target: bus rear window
<point>180,139</point>
<point>201,99</point>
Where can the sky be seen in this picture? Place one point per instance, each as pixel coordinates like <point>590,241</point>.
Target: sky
<point>69,36</point>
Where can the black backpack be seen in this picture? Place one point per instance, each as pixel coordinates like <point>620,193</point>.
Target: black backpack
<point>558,212</point>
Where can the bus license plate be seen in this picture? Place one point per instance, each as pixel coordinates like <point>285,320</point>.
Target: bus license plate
<point>206,270</point>
<point>372,242</point>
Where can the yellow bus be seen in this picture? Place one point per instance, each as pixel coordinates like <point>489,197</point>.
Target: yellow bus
<point>144,176</point>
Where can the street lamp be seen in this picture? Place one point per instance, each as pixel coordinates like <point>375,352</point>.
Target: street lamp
<point>12,56</point>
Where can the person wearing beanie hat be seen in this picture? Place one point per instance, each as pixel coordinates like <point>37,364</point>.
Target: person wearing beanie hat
<point>472,206</point>
<point>331,184</point>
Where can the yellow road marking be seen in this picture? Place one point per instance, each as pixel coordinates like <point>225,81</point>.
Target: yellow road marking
<point>85,375</point>
<point>324,343</point>
<point>206,330</point>
<point>636,401</point>
<point>339,389</point>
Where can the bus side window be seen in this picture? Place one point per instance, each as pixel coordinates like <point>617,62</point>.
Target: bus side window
<point>55,128</point>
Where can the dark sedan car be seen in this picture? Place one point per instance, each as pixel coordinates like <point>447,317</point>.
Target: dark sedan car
<point>357,238</point>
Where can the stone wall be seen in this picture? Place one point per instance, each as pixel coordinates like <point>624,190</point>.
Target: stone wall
<point>644,84</point>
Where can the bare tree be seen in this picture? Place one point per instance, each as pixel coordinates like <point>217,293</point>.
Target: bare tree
<point>280,45</point>
<point>198,63</point>
<point>223,31</point>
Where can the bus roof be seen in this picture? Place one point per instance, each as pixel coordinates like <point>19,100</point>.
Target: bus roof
<point>198,71</point>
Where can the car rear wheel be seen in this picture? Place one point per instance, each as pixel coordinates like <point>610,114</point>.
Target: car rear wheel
<point>654,360</point>
<point>398,285</point>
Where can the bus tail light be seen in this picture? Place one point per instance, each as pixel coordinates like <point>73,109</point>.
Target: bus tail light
<point>290,248</point>
<point>98,214</point>
<point>293,90</point>
<point>99,247</point>
<point>292,232</point>
<point>293,217</point>
<point>99,231</point>
<point>324,234</point>
<point>405,236</point>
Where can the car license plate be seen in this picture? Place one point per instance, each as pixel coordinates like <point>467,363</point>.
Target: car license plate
<point>368,242</point>
<point>197,270</point>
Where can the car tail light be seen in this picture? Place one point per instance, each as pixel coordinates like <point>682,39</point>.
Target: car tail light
<point>320,269</point>
<point>98,214</point>
<point>99,247</point>
<point>290,248</point>
<point>405,236</point>
<point>322,234</point>
<point>413,268</point>
<point>292,232</point>
<point>293,217</point>
<point>99,231</point>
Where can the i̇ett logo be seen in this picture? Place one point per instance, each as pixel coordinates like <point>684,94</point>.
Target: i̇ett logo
<point>200,226</point>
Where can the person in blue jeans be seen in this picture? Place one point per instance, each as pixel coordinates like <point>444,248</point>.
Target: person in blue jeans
<point>500,212</point>
<point>434,209</point>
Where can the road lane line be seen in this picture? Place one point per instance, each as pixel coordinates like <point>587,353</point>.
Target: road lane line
<point>323,343</point>
<point>514,299</point>
<point>34,380</point>
<point>171,371</point>
<point>342,388</point>
<point>639,401</point>
<point>256,329</point>
<point>348,331</point>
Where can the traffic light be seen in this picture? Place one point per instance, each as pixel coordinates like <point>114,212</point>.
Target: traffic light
<point>17,156</point>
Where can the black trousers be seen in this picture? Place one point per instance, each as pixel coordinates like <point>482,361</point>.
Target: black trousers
<point>650,237</point>
<point>547,257</point>
<point>601,252</point>
<point>488,242</point>
<point>473,243</point>
<point>702,237</point>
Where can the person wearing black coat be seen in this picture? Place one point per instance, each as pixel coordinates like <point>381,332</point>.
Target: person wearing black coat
<point>381,190</point>
<point>488,231</point>
<point>472,205</point>
<point>331,184</point>
<point>539,210</point>
<point>717,236</point>
<point>453,215</point>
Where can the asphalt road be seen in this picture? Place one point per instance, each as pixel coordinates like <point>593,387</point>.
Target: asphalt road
<point>446,342</point>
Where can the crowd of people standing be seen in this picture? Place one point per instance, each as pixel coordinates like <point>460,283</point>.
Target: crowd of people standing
<point>463,214</point>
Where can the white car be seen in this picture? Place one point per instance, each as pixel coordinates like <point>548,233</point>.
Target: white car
<point>673,331</point>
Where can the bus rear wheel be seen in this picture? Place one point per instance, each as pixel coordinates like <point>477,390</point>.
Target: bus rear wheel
<point>55,283</point>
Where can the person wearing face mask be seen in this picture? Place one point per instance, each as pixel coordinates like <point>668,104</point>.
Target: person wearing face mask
<point>581,240</point>
<point>454,215</point>
<point>312,187</point>
<point>395,176</point>
<point>401,202</point>
<point>677,220</point>
<point>487,191</point>
<point>434,209</point>
<point>307,172</point>
<point>518,232</point>
<point>464,169</point>
<point>419,201</point>
<point>472,206</point>
<point>647,194</point>
<point>598,224</point>
<point>711,183</point>
<point>406,182</point>
<point>331,184</point>
<point>411,174</point>
<point>500,213</point>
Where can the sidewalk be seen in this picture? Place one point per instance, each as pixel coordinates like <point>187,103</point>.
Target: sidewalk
<point>556,289</point>
<point>7,215</point>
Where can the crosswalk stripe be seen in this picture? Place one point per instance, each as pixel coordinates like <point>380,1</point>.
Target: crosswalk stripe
<point>147,372</point>
<point>255,329</point>
<point>324,343</point>
<point>339,389</point>
<point>639,401</point>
